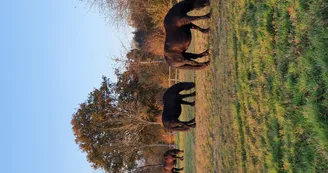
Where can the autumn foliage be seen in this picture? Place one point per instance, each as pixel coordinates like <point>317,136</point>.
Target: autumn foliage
<point>118,126</point>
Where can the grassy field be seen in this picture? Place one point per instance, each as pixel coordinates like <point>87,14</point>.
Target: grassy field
<point>262,106</point>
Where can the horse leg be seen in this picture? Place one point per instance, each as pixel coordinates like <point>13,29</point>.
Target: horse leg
<point>188,95</point>
<point>187,103</point>
<point>193,26</point>
<point>192,121</point>
<point>177,169</point>
<point>192,125</point>
<point>185,20</point>
<point>181,129</point>
<point>187,55</point>
<point>172,152</point>
<point>180,158</point>
<point>177,151</point>
<point>189,124</point>
<point>180,151</point>
<point>193,67</point>
<point>189,64</point>
<point>182,126</point>
<point>195,63</point>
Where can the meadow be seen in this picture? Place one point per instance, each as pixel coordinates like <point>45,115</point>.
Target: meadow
<point>262,105</point>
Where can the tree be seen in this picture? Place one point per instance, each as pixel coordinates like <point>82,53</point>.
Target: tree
<point>141,83</point>
<point>116,10</point>
<point>112,133</point>
<point>116,126</point>
<point>88,124</point>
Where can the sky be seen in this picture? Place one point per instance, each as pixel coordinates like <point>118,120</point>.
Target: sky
<point>53,53</point>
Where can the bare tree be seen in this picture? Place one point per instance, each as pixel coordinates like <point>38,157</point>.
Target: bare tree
<point>116,11</point>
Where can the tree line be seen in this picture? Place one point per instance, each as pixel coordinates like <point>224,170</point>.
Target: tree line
<point>118,125</point>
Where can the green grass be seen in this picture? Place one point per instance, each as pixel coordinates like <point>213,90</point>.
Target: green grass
<point>262,106</point>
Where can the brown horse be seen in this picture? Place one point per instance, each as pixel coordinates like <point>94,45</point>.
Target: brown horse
<point>178,35</point>
<point>170,160</point>
<point>172,107</point>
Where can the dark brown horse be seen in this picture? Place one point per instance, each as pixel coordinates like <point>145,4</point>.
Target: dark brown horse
<point>172,107</point>
<point>178,35</point>
<point>170,160</point>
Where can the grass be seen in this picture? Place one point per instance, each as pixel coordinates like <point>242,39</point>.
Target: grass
<point>262,106</point>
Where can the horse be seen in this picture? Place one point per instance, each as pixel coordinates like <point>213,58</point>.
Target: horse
<point>178,35</point>
<point>170,160</point>
<point>172,101</point>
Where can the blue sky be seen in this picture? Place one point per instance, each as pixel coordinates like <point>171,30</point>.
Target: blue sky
<point>52,56</point>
